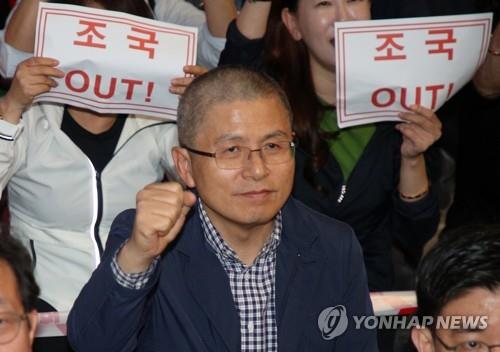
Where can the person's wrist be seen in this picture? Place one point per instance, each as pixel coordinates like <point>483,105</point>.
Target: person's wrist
<point>10,111</point>
<point>132,260</point>
<point>494,48</point>
<point>412,160</point>
<point>414,197</point>
<point>493,51</point>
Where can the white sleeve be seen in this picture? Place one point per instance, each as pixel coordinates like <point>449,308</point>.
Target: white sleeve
<point>184,13</point>
<point>179,12</point>
<point>10,57</point>
<point>12,150</point>
<point>209,48</point>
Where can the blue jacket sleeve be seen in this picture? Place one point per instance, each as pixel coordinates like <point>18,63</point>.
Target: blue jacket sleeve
<point>357,303</point>
<point>240,50</point>
<point>414,223</point>
<point>107,316</point>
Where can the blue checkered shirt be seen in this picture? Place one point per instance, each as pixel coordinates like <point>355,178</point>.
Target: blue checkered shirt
<point>253,287</point>
<point>134,281</point>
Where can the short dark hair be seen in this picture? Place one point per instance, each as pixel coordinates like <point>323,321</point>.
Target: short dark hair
<point>464,259</point>
<point>17,257</point>
<point>223,85</point>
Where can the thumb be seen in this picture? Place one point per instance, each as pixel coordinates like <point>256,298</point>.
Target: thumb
<point>189,199</point>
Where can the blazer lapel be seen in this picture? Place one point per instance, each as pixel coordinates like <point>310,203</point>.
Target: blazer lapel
<point>298,273</point>
<point>209,284</point>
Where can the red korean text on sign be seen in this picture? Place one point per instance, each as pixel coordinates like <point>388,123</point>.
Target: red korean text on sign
<point>148,37</point>
<point>389,45</point>
<point>439,43</point>
<point>91,32</point>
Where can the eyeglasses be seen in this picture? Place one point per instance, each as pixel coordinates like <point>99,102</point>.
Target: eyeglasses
<point>468,346</point>
<point>9,326</point>
<point>235,156</point>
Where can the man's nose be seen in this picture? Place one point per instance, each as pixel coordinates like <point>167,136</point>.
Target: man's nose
<point>255,166</point>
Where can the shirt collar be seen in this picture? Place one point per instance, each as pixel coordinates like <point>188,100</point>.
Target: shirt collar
<point>224,251</point>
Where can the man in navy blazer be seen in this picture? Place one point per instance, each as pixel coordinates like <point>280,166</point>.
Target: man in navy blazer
<point>240,266</point>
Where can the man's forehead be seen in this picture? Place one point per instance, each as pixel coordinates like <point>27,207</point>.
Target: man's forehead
<point>241,137</point>
<point>266,112</point>
<point>247,104</point>
<point>470,308</point>
<point>474,300</point>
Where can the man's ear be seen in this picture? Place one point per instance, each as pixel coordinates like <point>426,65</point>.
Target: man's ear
<point>290,22</point>
<point>33,323</point>
<point>422,339</point>
<point>182,162</point>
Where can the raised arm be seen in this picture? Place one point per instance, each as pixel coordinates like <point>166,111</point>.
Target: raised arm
<point>245,44</point>
<point>161,211</point>
<point>252,20</point>
<point>20,31</point>
<point>421,129</point>
<point>212,24</point>
<point>219,14</point>
<point>33,77</point>
<point>416,213</point>
<point>487,78</point>
<point>110,310</point>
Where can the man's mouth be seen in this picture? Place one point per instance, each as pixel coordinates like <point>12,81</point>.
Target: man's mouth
<point>261,193</point>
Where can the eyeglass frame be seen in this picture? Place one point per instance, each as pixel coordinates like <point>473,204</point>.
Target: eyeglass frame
<point>455,348</point>
<point>19,319</point>
<point>291,144</point>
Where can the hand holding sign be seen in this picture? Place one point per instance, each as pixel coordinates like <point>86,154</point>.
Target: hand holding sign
<point>421,129</point>
<point>178,85</point>
<point>113,61</point>
<point>385,66</point>
<point>487,78</point>
<point>33,77</point>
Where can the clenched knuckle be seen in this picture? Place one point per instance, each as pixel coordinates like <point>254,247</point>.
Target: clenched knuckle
<point>176,187</point>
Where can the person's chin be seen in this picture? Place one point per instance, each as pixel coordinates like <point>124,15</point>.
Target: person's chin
<point>257,218</point>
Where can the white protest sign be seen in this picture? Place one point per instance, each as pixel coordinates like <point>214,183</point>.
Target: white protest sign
<point>52,324</point>
<point>113,62</point>
<point>384,66</point>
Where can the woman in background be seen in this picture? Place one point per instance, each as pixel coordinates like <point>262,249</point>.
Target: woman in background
<point>69,171</point>
<point>374,176</point>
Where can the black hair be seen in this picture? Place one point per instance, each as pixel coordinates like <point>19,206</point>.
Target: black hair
<point>288,59</point>
<point>18,259</point>
<point>489,5</point>
<point>463,259</point>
